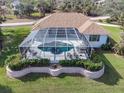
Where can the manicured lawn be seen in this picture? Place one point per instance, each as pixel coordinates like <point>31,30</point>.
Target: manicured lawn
<point>111,82</point>
<point>114,32</point>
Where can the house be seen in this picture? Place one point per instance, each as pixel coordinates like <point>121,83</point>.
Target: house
<point>63,36</point>
<point>95,34</point>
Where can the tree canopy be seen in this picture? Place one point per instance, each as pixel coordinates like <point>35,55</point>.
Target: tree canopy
<point>87,7</point>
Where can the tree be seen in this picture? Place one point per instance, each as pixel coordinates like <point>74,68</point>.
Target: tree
<point>115,8</point>
<point>3,9</point>
<point>86,7</point>
<point>41,10</point>
<point>1,34</point>
<point>24,10</point>
<point>46,6</point>
<point>28,9</point>
<point>121,20</point>
<point>119,47</point>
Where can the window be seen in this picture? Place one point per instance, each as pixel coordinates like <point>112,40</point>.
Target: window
<point>94,38</point>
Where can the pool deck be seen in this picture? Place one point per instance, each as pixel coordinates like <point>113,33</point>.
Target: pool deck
<point>54,57</point>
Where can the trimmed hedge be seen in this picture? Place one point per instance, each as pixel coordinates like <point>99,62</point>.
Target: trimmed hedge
<point>87,64</point>
<point>68,63</point>
<point>29,63</point>
<point>95,58</point>
<point>93,64</point>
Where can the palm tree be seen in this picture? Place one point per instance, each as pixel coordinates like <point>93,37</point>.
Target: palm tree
<point>121,20</point>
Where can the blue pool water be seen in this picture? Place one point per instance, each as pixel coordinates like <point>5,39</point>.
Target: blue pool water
<point>56,50</point>
<point>60,47</point>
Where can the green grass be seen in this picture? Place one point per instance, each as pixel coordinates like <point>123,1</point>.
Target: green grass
<point>36,14</point>
<point>111,82</point>
<point>11,16</point>
<point>114,33</point>
<point>13,37</point>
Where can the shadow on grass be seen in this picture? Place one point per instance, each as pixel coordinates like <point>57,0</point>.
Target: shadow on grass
<point>63,75</point>
<point>111,76</point>
<point>35,76</point>
<point>5,89</point>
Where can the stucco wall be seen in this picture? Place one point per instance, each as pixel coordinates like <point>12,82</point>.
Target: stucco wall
<point>103,40</point>
<point>55,72</point>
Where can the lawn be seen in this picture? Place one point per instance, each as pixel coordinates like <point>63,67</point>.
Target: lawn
<point>111,82</point>
<point>114,32</point>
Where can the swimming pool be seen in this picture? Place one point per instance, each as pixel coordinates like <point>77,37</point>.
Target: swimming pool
<point>56,47</point>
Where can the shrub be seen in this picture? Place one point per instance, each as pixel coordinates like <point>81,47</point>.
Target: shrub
<point>69,63</point>
<point>10,58</point>
<point>119,49</point>
<point>95,58</point>
<point>108,20</point>
<point>27,63</point>
<point>106,47</point>
<point>100,20</point>
<point>95,66</point>
<point>87,64</point>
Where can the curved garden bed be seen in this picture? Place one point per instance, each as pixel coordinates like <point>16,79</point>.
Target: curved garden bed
<point>91,68</point>
<point>55,72</point>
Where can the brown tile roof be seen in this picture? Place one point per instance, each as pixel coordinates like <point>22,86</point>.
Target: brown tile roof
<point>95,29</point>
<point>77,20</point>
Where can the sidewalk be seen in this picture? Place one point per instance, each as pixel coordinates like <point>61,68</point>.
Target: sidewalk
<point>99,18</point>
<point>17,24</point>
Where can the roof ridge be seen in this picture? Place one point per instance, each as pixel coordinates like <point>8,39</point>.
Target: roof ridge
<point>83,27</point>
<point>38,22</point>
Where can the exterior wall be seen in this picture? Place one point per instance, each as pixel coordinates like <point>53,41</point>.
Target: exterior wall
<point>55,72</point>
<point>103,40</point>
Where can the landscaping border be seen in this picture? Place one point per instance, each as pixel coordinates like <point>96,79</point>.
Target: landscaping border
<point>55,72</point>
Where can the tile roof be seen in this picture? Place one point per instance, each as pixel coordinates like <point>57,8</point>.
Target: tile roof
<point>77,20</point>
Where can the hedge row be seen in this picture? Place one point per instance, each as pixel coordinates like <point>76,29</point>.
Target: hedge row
<point>92,64</point>
<point>29,63</point>
<point>87,64</point>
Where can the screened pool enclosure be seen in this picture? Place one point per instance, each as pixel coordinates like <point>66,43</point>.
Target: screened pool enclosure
<point>55,44</point>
